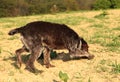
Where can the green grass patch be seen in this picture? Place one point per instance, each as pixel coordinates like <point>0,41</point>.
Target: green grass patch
<point>11,73</point>
<point>103,62</point>
<point>70,20</point>
<point>102,66</point>
<point>102,15</point>
<point>7,26</point>
<point>63,76</point>
<point>108,66</point>
<point>1,33</point>
<point>0,50</point>
<point>100,25</point>
<point>117,28</point>
<point>7,20</point>
<point>89,80</point>
<point>13,38</point>
<point>115,67</point>
<point>106,38</point>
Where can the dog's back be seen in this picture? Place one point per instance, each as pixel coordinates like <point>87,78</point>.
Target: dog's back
<point>56,36</point>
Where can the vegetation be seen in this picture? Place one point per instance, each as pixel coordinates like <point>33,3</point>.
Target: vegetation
<point>106,4</point>
<point>115,67</point>
<point>108,67</point>
<point>32,7</point>
<point>63,76</point>
<point>0,50</point>
<point>102,15</point>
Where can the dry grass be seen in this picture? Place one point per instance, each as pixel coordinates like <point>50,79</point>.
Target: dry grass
<point>102,35</point>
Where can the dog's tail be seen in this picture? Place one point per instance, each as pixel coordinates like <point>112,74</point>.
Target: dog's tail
<point>14,31</point>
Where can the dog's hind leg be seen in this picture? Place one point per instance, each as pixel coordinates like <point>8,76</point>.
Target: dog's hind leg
<point>35,53</point>
<point>46,60</point>
<point>18,54</point>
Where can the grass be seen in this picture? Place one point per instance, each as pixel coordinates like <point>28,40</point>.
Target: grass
<point>77,76</point>
<point>98,25</point>
<point>13,38</point>
<point>0,50</point>
<point>89,80</point>
<point>63,76</point>
<point>11,73</point>
<point>1,33</point>
<point>108,66</point>
<point>102,67</point>
<point>72,20</point>
<point>99,29</point>
<point>102,62</point>
<point>117,28</point>
<point>106,38</point>
<point>102,15</point>
<point>115,67</point>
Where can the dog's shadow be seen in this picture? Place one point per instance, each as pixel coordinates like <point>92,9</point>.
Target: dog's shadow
<point>57,56</point>
<point>24,57</point>
<point>60,56</point>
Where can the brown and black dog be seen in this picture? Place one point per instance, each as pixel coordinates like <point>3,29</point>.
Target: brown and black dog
<point>41,37</point>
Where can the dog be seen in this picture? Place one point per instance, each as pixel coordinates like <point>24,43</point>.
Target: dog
<point>41,37</point>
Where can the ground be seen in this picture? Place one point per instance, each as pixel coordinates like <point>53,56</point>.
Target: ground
<point>99,30</point>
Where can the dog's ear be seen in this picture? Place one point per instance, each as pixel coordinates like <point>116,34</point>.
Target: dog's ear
<point>84,45</point>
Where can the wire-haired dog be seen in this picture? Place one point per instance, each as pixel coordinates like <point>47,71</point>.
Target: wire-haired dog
<point>41,37</point>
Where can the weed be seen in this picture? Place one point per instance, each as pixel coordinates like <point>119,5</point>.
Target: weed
<point>13,37</point>
<point>89,80</point>
<point>108,66</point>
<point>117,28</point>
<point>106,38</point>
<point>102,15</point>
<point>5,20</point>
<point>70,20</point>
<point>115,67</point>
<point>7,25</point>
<point>100,25</point>
<point>11,73</point>
<point>17,80</point>
<point>1,33</point>
<point>102,67</point>
<point>63,76</point>
<point>0,50</point>
<point>113,44</point>
<point>78,75</point>
<point>102,62</point>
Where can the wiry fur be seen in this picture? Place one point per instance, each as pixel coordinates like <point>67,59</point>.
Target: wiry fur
<point>41,36</point>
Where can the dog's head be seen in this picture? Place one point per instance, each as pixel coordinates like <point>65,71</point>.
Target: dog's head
<point>84,45</point>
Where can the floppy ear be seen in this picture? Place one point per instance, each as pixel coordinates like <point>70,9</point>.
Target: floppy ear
<point>84,45</point>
